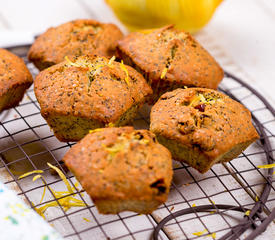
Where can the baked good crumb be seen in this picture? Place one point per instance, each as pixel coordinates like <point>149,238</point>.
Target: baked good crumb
<point>202,127</point>
<point>169,59</point>
<point>122,169</point>
<point>15,79</point>
<point>89,92</point>
<point>75,38</point>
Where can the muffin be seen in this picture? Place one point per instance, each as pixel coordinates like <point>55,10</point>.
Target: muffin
<point>202,127</point>
<point>75,38</point>
<point>122,169</point>
<point>89,92</point>
<point>15,79</point>
<point>169,59</point>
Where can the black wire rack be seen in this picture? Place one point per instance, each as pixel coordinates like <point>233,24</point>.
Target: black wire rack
<point>235,200</point>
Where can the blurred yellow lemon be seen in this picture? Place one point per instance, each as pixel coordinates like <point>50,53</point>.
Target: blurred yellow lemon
<point>190,15</point>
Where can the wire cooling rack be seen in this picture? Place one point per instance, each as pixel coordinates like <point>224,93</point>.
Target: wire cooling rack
<point>235,200</point>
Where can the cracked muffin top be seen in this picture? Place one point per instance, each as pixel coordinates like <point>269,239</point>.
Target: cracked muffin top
<point>75,38</point>
<point>121,163</point>
<point>170,56</point>
<point>203,118</point>
<point>13,72</point>
<point>91,87</point>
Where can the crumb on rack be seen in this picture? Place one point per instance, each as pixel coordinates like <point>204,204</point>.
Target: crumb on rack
<point>163,73</point>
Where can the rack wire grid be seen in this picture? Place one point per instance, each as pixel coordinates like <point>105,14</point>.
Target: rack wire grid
<point>231,201</point>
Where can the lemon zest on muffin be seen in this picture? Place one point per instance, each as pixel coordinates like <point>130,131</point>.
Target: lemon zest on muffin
<point>198,99</point>
<point>93,68</point>
<point>30,173</point>
<point>200,233</point>
<point>70,62</point>
<point>144,141</point>
<point>117,147</point>
<point>98,68</point>
<point>163,73</point>
<point>136,138</point>
<point>95,130</point>
<point>113,58</point>
<point>110,124</point>
<point>122,66</point>
<point>201,99</point>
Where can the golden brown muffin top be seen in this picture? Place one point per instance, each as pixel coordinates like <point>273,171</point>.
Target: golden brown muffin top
<point>13,71</point>
<point>121,163</point>
<point>90,87</point>
<point>172,55</point>
<point>202,118</point>
<point>75,38</point>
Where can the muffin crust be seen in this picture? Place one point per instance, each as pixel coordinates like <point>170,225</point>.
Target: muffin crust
<point>75,38</point>
<point>122,169</point>
<point>201,126</point>
<point>169,59</point>
<point>15,79</point>
<point>89,92</point>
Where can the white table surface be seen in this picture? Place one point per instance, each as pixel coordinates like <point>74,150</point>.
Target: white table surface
<point>241,35</point>
<point>245,30</point>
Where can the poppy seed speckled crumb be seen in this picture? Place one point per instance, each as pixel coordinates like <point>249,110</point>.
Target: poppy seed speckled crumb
<point>89,92</point>
<point>75,38</point>
<point>202,126</point>
<point>122,169</point>
<point>169,59</point>
<point>15,79</point>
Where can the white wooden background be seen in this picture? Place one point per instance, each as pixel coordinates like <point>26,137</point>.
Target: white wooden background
<point>244,30</point>
<point>241,34</point>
